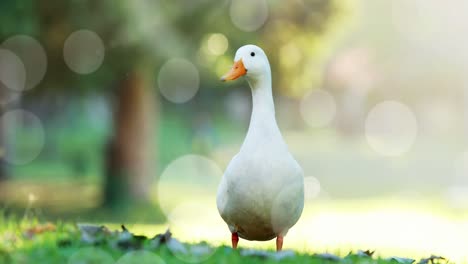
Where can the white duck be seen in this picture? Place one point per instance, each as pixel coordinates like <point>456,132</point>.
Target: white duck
<point>261,195</point>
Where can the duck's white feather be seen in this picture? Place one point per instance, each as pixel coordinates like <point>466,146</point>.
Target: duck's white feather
<point>261,194</point>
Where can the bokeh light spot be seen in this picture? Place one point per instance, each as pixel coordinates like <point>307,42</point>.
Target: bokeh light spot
<point>311,188</point>
<point>188,179</point>
<point>290,55</point>
<point>33,56</point>
<point>391,128</point>
<point>457,197</point>
<point>237,104</point>
<point>318,108</point>
<point>223,64</point>
<point>203,218</point>
<point>84,51</point>
<point>24,134</point>
<point>457,194</point>
<point>217,44</point>
<point>8,96</point>
<point>185,191</point>
<point>178,80</point>
<point>461,168</point>
<point>12,71</point>
<point>32,198</point>
<point>248,15</point>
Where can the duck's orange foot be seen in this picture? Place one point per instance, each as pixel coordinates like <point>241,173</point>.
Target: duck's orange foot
<point>279,243</point>
<point>235,240</point>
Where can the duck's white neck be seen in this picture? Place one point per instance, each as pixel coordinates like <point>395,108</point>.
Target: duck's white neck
<point>262,122</point>
<point>262,98</point>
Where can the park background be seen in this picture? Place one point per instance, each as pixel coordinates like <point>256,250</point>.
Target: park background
<point>113,112</point>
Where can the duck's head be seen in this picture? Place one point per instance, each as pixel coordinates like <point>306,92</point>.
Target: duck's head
<point>250,61</point>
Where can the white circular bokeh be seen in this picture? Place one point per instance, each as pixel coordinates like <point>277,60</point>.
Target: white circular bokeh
<point>217,44</point>
<point>318,108</point>
<point>457,196</point>
<point>248,15</point>
<point>7,95</point>
<point>33,56</point>
<point>12,71</point>
<point>197,212</point>
<point>91,255</point>
<point>203,217</point>
<point>391,128</point>
<point>461,168</point>
<point>24,134</point>
<point>237,104</point>
<point>311,188</point>
<point>190,178</point>
<point>84,51</point>
<point>140,257</point>
<point>178,80</point>
<point>186,190</point>
<point>32,198</point>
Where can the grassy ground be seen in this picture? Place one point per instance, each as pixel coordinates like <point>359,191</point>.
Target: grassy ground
<point>65,182</point>
<point>398,228</point>
<point>28,241</point>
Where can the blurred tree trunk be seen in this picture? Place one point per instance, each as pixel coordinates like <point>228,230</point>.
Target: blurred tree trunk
<point>3,148</point>
<point>130,156</point>
<point>4,96</point>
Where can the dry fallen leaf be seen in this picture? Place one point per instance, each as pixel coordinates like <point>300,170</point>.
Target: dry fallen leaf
<point>366,253</point>
<point>33,231</point>
<point>160,239</point>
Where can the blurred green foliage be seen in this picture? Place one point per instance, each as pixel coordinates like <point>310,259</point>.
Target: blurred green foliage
<point>140,36</point>
<point>148,33</point>
<point>154,31</point>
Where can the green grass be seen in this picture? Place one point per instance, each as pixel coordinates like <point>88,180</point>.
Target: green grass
<point>64,245</point>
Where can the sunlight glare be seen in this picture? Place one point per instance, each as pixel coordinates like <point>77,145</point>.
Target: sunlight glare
<point>84,51</point>
<point>29,126</point>
<point>248,15</point>
<point>391,128</point>
<point>318,108</point>
<point>178,80</point>
<point>217,44</point>
<point>33,56</point>
<point>12,71</point>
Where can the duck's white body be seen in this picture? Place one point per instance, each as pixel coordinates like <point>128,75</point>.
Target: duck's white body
<point>261,195</point>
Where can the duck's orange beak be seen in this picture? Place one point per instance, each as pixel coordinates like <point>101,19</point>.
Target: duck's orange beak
<point>237,71</point>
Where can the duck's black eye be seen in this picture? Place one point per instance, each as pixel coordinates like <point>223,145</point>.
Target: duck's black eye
<point>252,54</point>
